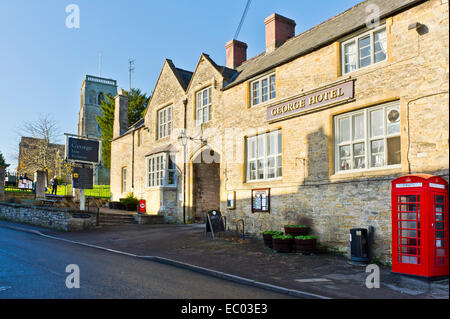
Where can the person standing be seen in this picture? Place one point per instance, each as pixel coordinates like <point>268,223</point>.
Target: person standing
<point>54,185</point>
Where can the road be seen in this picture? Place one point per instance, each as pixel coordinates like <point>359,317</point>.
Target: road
<point>32,266</point>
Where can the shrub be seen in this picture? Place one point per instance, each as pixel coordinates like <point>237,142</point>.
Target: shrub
<point>284,237</point>
<point>272,232</point>
<point>130,200</point>
<point>305,237</point>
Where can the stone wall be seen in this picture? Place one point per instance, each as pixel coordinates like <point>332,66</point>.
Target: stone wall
<point>55,218</point>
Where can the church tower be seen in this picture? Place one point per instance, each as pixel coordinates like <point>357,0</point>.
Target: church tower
<point>93,90</point>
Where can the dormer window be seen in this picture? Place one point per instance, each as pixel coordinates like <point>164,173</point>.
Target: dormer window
<point>364,50</point>
<point>263,89</point>
<point>203,106</point>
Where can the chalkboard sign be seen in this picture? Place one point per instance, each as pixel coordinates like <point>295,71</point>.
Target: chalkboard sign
<point>81,150</point>
<point>82,178</point>
<point>217,222</point>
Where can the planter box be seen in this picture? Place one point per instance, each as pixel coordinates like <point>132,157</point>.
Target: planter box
<point>305,245</point>
<point>296,231</point>
<point>283,245</point>
<point>268,240</point>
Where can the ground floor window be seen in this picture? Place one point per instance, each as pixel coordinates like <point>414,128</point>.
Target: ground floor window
<point>124,179</point>
<point>161,170</point>
<point>264,156</point>
<point>368,138</point>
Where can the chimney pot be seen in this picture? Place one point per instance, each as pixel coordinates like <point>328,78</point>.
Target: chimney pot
<point>236,53</point>
<point>278,30</point>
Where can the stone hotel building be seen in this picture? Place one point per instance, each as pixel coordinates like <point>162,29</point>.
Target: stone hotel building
<point>311,131</point>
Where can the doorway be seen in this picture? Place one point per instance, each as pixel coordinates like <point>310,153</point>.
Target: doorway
<point>206,169</point>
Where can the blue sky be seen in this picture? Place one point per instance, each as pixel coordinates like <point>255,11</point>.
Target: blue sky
<point>42,62</point>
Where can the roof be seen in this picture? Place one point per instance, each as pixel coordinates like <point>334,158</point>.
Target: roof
<point>135,126</point>
<point>319,36</point>
<point>163,149</point>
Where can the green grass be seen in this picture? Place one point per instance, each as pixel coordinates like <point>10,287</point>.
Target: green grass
<point>99,191</point>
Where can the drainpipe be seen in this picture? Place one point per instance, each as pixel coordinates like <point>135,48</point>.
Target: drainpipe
<point>184,164</point>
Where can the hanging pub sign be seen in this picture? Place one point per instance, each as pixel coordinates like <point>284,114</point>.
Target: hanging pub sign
<point>83,150</point>
<point>261,200</point>
<point>339,93</point>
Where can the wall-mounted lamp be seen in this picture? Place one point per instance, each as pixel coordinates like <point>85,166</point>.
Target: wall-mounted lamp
<point>416,25</point>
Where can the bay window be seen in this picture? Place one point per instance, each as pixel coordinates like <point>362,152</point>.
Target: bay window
<point>364,50</point>
<point>161,170</point>
<point>264,156</point>
<point>368,138</point>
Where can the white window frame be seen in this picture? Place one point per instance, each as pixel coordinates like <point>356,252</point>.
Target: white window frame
<point>367,139</point>
<point>271,93</point>
<point>158,171</point>
<point>355,40</point>
<point>262,139</point>
<point>124,179</point>
<point>165,121</point>
<point>202,105</point>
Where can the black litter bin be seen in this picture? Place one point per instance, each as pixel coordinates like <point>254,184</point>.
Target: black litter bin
<point>359,246</point>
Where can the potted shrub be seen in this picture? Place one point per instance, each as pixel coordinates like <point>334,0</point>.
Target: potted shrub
<point>115,205</point>
<point>267,236</point>
<point>296,230</point>
<point>130,202</point>
<point>282,243</point>
<point>305,244</point>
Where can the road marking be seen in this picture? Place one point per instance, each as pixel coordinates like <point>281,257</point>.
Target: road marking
<point>4,288</point>
<point>312,280</point>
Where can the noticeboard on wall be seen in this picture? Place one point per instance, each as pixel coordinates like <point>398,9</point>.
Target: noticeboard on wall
<point>231,200</point>
<point>261,200</point>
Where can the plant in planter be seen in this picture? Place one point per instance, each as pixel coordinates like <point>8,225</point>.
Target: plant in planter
<point>130,202</point>
<point>267,236</point>
<point>296,230</point>
<point>305,244</point>
<point>282,243</point>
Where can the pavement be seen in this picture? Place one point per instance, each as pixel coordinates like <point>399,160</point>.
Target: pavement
<point>316,275</point>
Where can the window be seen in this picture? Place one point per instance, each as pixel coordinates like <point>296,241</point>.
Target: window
<point>124,179</point>
<point>368,138</point>
<point>101,97</point>
<point>203,102</point>
<point>165,122</point>
<point>262,90</point>
<point>161,170</point>
<point>139,138</point>
<point>364,50</point>
<point>264,156</point>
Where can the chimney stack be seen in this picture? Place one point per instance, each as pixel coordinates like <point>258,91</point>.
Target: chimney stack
<point>236,53</point>
<point>120,114</point>
<point>278,30</point>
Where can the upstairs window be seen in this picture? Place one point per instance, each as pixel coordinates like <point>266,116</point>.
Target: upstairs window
<point>368,138</point>
<point>364,50</point>
<point>101,97</point>
<point>203,107</point>
<point>263,89</point>
<point>165,122</point>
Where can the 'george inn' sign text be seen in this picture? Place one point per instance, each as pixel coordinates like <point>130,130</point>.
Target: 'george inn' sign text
<point>339,93</point>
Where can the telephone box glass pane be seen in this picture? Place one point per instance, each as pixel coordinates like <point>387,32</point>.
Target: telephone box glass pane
<point>409,229</point>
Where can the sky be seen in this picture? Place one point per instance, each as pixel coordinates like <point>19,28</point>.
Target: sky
<point>43,62</point>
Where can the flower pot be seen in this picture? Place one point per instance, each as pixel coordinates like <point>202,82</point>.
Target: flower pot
<point>305,245</point>
<point>296,231</point>
<point>282,245</point>
<point>268,240</point>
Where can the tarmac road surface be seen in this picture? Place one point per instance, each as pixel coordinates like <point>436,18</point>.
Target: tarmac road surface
<point>35,267</point>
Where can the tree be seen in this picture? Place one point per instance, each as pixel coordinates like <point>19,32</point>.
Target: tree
<point>40,151</point>
<point>137,103</point>
<point>3,161</point>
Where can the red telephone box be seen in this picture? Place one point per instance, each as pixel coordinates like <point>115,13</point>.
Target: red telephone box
<point>420,225</point>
